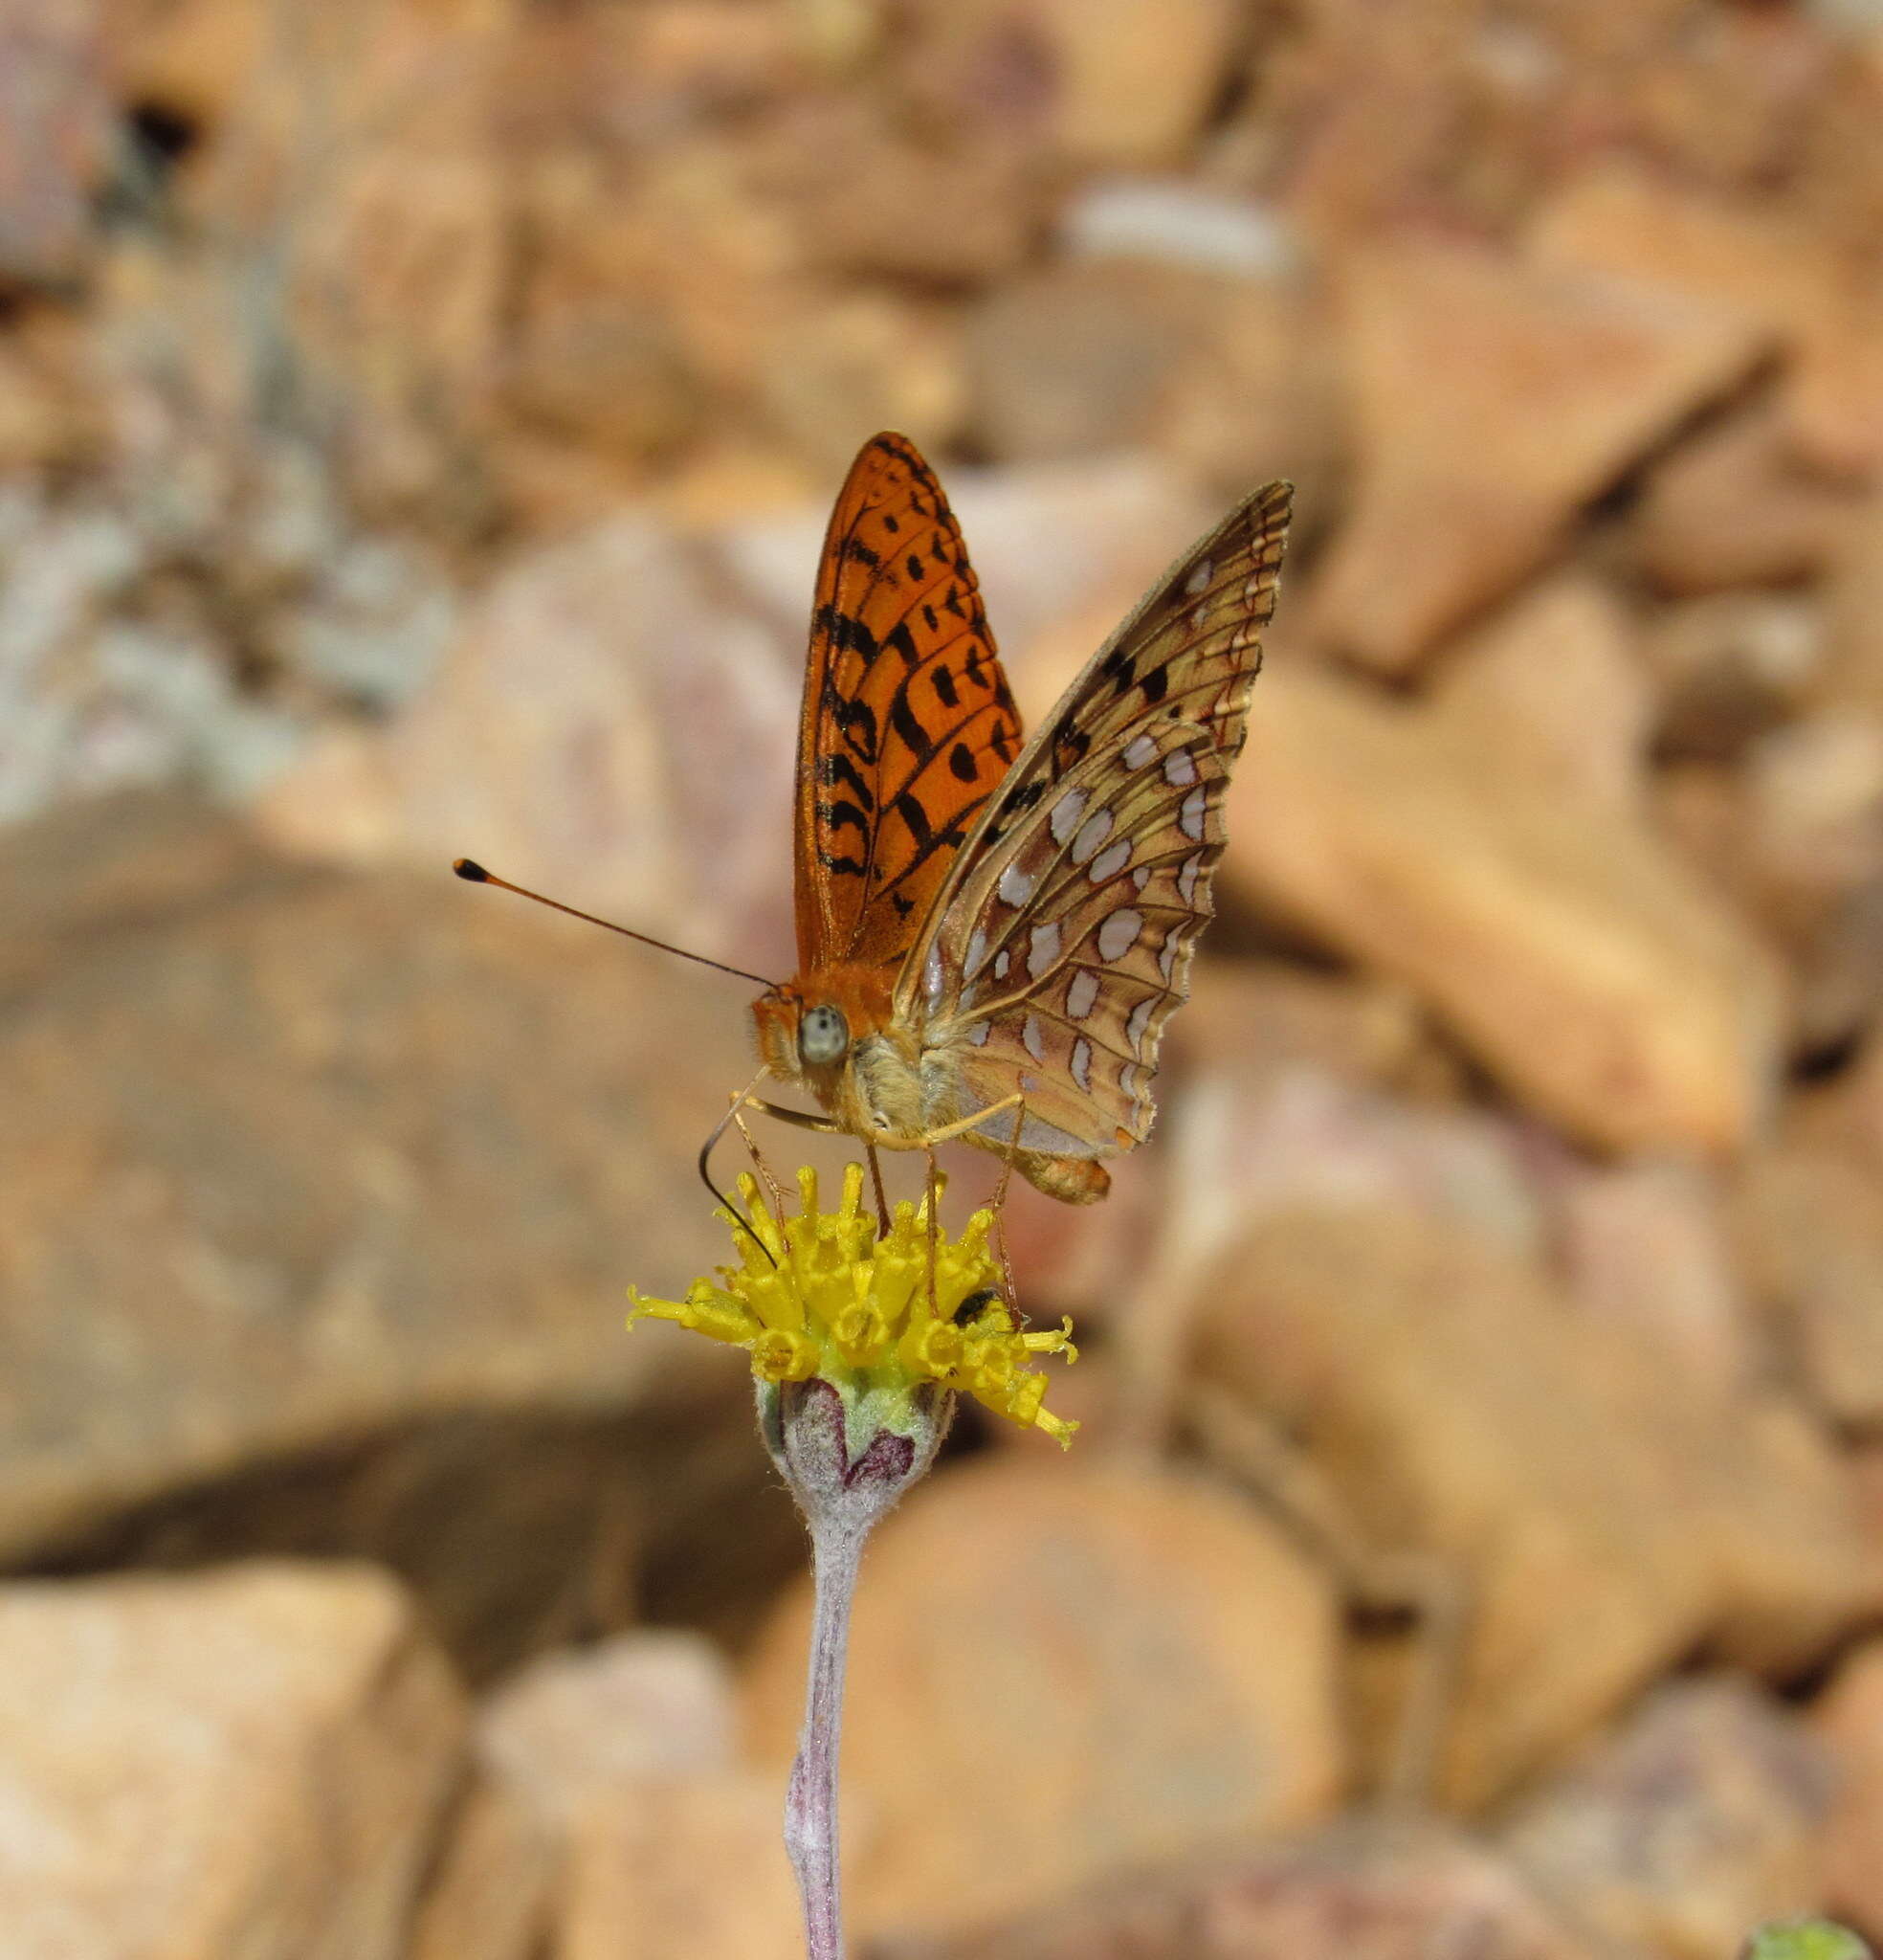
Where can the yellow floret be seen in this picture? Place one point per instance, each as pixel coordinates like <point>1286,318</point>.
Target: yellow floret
<point>865,1313</point>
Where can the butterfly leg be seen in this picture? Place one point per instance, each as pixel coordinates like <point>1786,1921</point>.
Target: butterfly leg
<point>999,1205</point>
<point>883,1197</point>
<point>950,1130</point>
<point>802,1118</point>
<point>760,1168</point>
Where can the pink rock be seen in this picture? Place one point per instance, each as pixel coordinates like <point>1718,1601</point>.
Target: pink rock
<point>1849,1718</point>
<point>1702,1818</point>
<point>1363,1893</point>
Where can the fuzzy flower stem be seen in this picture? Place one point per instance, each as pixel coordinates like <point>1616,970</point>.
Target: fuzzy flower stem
<point>810,1804</point>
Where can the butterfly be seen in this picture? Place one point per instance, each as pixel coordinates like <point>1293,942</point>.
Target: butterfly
<point>992,932</point>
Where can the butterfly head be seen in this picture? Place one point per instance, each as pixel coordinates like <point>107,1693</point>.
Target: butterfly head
<point>811,1030</point>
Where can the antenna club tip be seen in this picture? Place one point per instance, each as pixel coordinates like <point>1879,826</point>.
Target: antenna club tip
<point>470,868</point>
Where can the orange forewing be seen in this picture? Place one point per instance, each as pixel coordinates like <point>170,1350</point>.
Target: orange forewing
<point>908,725</point>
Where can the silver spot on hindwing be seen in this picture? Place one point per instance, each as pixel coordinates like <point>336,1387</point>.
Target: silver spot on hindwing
<point>1092,832</point>
<point>1189,818</point>
<point>1139,750</point>
<point>1082,1063</point>
<point>1119,934</point>
<point>1199,580</point>
<point>977,1034</point>
<point>1180,769</point>
<point>977,951</point>
<point>1187,879</point>
<point>1110,862</point>
<point>1032,1039</point>
<point>1066,815</point>
<point>1003,960</point>
<point>1140,1020</point>
<point>1044,948</point>
<point>1016,886</point>
<point>1081,993</point>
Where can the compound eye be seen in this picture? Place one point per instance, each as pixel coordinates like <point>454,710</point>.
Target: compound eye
<point>823,1037</point>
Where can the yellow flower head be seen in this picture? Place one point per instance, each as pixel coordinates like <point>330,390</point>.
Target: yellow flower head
<point>860,1312</point>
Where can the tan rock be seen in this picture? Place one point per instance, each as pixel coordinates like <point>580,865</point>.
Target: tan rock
<point>608,1814</point>
<point>1550,929</point>
<point>1283,1131</point>
<point>1366,1893</point>
<point>1814,808</point>
<point>606,372</point>
<point>1848,1112</point>
<point>1854,605</point>
<point>1848,1716</point>
<point>1077,359</point>
<point>839,366</point>
<point>359,1169</point>
<point>1263,396</point>
<point>1493,400</point>
<point>251,1761</point>
<point>1840,972</point>
<point>695,1870</point>
<point>1134,77</point>
<point>191,61</point>
<point>647,692</point>
<point>637,1708</point>
<point>1259,1017</point>
<point>56,123</point>
<point>867,196</point>
<point>1259,1130</point>
<point>1233,373</point>
<point>1863,1466</point>
<point>1056,1674</point>
<point>1731,666</point>
<point>1725,103</point>
<point>1735,506</point>
<point>1117,82</point>
<point>1357,117</point>
<point>1559,673</point>
<point>359,163</point>
<point>1648,1243</point>
<point>1701,1818</point>
<point>1782,281</point>
<point>48,397</point>
<point>1458,1410</point>
<point>488,1897</point>
<point>1811,1228</point>
<point>683,248</point>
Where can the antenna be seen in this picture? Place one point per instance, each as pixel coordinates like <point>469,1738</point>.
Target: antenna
<point>469,869</point>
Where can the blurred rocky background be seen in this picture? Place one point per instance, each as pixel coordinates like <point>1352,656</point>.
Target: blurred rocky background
<point>417,421</point>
